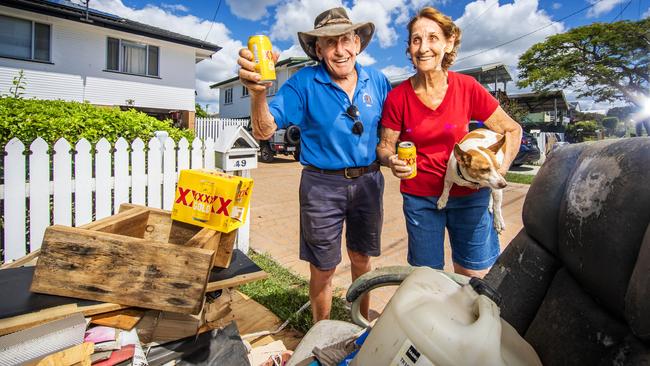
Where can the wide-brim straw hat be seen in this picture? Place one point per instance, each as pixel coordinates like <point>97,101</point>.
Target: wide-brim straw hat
<point>333,23</point>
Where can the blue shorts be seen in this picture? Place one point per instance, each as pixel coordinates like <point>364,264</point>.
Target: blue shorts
<point>326,201</point>
<point>474,241</point>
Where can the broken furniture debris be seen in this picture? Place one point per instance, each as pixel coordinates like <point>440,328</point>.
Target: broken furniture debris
<point>137,270</point>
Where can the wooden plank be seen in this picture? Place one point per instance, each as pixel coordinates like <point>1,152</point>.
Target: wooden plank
<point>129,223</point>
<point>160,226</point>
<point>241,270</point>
<point>113,268</point>
<point>122,319</point>
<point>223,255</point>
<point>264,319</point>
<point>100,308</point>
<point>79,354</point>
<point>20,322</point>
<point>236,281</point>
<point>22,261</point>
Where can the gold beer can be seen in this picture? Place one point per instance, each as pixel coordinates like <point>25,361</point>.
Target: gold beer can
<point>406,152</point>
<point>202,204</point>
<point>262,50</point>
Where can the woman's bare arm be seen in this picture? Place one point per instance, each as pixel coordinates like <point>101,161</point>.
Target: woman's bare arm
<point>501,122</point>
<point>387,156</point>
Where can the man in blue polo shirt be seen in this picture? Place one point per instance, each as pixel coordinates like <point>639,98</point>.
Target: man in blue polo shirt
<point>337,105</point>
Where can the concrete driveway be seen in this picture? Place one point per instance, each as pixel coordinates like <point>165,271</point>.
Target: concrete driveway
<point>275,222</point>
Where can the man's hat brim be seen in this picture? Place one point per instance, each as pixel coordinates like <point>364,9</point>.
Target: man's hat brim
<point>308,39</point>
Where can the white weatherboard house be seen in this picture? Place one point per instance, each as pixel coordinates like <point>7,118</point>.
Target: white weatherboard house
<point>72,53</point>
<point>233,95</point>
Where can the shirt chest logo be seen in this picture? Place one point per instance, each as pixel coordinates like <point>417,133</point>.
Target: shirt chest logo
<point>367,99</point>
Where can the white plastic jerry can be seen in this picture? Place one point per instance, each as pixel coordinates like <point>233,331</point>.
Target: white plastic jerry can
<point>432,320</point>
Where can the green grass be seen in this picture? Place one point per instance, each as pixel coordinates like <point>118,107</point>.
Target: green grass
<point>520,178</point>
<point>284,292</point>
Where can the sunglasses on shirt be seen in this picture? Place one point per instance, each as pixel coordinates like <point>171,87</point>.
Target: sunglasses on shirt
<point>353,112</point>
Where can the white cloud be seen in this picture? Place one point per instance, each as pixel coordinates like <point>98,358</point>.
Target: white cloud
<point>293,51</point>
<point>365,59</point>
<point>556,6</point>
<point>298,15</point>
<point>495,28</point>
<point>175,7</point>
<point>602,7</point>
<point>250,9</point>
<point>223,64</point>
<point>392,71</point>
<point>646,14</point>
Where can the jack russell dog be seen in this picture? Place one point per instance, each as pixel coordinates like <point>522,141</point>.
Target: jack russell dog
<point>474,163</point>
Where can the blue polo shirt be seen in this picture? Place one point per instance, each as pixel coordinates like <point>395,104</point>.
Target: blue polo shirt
<point>312,101</point>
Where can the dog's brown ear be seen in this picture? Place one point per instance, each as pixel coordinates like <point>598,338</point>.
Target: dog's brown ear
<point>462,156</point>
<point>495,147</point>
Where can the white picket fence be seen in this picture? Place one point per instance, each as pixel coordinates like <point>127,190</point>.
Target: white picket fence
<point>214,127</point>
<point>87,184</point>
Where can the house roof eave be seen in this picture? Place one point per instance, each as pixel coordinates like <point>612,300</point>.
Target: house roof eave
<point>105,20</point>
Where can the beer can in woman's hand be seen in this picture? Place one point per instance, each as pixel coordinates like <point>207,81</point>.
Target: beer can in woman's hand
<point>262,50</point>
<point>406,152</point>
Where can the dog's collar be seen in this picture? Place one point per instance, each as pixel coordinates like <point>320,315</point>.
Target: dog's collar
<point>460,174</point>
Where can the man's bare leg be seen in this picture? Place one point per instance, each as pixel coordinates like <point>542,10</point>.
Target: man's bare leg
<point>320,292</point>
<point>360,264</point>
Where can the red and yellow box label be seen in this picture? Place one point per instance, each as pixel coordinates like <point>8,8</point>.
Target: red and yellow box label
<point>212,199</point>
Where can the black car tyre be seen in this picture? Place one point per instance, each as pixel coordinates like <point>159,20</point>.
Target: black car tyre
<point>292,135</point>
<point>266,154</point>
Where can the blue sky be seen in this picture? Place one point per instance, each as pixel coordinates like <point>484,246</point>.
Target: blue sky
<point>485,24</point>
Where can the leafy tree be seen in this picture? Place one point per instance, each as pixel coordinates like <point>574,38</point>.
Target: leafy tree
<point>200,112</point>
<point>514,110</point>
<point>588,116</point>
<point>606,61</point>
<point>622,113</point>
<point>610,124</point>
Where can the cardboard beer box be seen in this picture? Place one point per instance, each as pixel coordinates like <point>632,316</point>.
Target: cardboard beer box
<point>212,199</point>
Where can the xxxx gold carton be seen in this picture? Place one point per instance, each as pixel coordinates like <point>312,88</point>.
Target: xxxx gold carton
<point>212,199</point>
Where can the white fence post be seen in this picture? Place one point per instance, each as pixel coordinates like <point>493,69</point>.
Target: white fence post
<point>14,194</point>
<point>121,163</point>
<point>39,193</point>
<point>103,179</point>
<point>62,183</point>
<point>83,184</point>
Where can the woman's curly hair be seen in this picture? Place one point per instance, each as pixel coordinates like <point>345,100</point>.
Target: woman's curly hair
<point>449,28</point>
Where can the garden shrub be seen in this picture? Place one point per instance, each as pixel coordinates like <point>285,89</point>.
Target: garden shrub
<point>51,120</point>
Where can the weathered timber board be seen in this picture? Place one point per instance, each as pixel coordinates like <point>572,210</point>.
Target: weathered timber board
<point>160,227</point>
<point>241,270</point>
<point>114,268</point>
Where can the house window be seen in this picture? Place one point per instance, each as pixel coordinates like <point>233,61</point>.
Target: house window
<point>24,39</point>
<point>227,98</point>
<point>132,57</point>
<point>244,91</point>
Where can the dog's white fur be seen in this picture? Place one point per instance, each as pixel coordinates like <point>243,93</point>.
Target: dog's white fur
<point>464,152</point>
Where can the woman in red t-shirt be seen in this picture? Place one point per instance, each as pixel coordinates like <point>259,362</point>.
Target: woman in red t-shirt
<point>432,109</point>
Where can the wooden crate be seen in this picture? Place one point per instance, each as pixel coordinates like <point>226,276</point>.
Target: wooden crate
<point>138,257</point>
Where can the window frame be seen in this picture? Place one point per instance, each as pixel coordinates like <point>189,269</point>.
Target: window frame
<point>120,57</point>
<point>33,41</point>
<point>244,91</point>
<point>226,93</point>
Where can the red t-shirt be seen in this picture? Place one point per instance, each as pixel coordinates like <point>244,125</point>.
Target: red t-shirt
<point>434,132</point>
